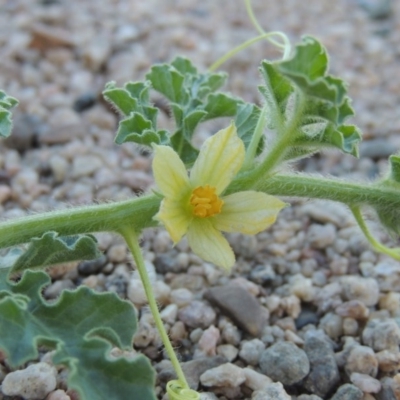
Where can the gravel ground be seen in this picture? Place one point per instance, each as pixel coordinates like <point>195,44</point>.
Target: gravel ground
<point>326,309</point>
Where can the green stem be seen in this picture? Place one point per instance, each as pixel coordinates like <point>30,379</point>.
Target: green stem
<point>276,153</point>
<point>255,140</point>
<point>243,46</point>
<point>94,218</point>
<point>130,236</point>
<point>377,246</point>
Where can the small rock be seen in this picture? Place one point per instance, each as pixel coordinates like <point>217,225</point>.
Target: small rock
<point>181,297</point>
<point>58,395</point>
<point>332,324</point>
<point>33,382</point>
<point>302,288</point>
<point>348,392</point>
<point>262,274</point>
<point>225,375</point>
<point>366,290</point>
<point>251,350</point>
<point>236,302</point>
<point>382,335</point>
<point>45,37</point>
<point>90,267</point>
<point>388,360</point>
<point>273,391</point>
<point>284,362</point>
<point>365,383</point>
<point>306,317</point>
<point>197,315</point>
<point>84,102</point>
<point>376,148</point>
<point>192,369</point>
<point>193,283</point>
<point>177,332</point>
<point>350,327</point>
<point>169,313</point>
<point>308,397</point>
<point>321,236</point>
<point>85,165</point>
<point>255,380</point>
<point>54,290</point>
<point>362,359</point>
<point>59,167</point>
<point>353,309</point>
<point>228,351</point>
<point>324,373</point>
<point>208,341</point>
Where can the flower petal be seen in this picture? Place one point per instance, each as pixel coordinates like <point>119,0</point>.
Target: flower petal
<point>247,212</point>
<point>220,159</point>
<point>174,218</point>
<point>210,244</point>
<point>169,172</point>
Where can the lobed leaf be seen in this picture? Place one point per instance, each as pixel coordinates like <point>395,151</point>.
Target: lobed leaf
<point>82,327</point>
<point>6,104</point>
<point>51,249</point>
<point>302,97</point>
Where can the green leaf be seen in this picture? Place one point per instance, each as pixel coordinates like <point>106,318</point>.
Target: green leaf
<point>308,103</point>
<point>310,60</point>
<point>246,121</point>
<point>191,121</point>
<point>183,147</point>
<point>220,105</point>
<point>121,98</point>
<point>394,161</point>
<point>82,327</point>
<point>169,82</point>
<point>6,104</point>
<point>51,249</point>
<point>136,128</point>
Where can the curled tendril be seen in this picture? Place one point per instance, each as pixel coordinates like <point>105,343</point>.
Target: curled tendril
<point>177,391</point>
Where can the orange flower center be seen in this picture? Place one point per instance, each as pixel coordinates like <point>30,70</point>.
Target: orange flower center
<point>205,202</point>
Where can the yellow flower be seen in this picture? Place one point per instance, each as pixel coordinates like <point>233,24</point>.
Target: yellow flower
<point>194,205</point>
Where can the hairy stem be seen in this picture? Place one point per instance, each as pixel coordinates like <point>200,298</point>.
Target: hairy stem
<point>376,245</point>
<point>131,239</point>
<point>94,218</point>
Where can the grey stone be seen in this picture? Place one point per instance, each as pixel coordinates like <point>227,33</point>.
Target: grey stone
<point>321,236</point>
<point>306,317</point>
<point>273,391</point>
<point>285,362</point>
<point>192,369</point>
<point>235,302</point>
<point>362,360</point>
<point>365,290</point>
<point>381,334</point>
<point>90,267</point>
<point>251,351</point>
<point>387,392</point>
<point>376,148</point>
<point>348,392</point>
<point>33,382</point>
<point>308,397</point>
<point>324,373</point>
<point>224,375</point>
<point>197,315</point>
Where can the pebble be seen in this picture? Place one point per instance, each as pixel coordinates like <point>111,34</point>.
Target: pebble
<point>308,397</point>
<point>169,314</point>
<point>382,335</point>
<point>177,332</point>
<point>197,315</point>
<point>324,373</point>
<point>225,375</point>
<point>321,236</point>
<point>235,302</point>
<point>192,369</point>
<point>365,382</point>
<point>255,380</point>
<point>33,382</point>
<point>181,297</point>
<point>251,351</point>
<point>231,334</point>
<point>362,360</point>
<point>58,395</point>
<point>388,361</point>
<point>90,267</point>
<point>366,290</point>
<point>354,309</point>
<point>348,392</point>
<point>332,324</point>
<point>273,391</point>
<point>228,351</point>
<point>208,341</point>
<point>285,362</point>
<point>85,165</point>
